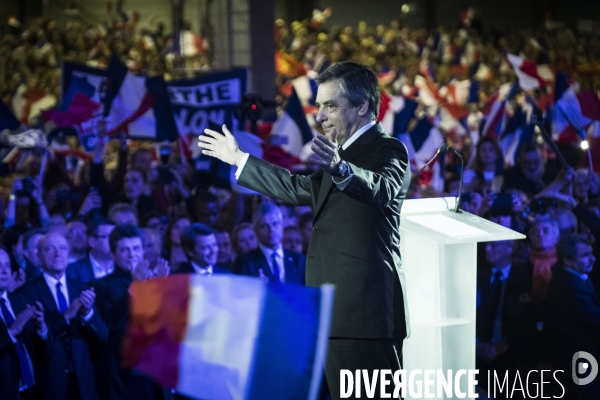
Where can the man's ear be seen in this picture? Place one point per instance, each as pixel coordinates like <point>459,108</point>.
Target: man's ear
<point>363,109</point>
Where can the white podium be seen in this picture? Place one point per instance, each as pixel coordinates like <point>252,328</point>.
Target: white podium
<point>439,259</point>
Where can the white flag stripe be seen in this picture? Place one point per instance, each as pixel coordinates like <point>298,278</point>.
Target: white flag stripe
<point>223,326</point>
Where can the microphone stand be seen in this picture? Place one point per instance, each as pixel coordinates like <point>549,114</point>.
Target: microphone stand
<point>443,147</point>
<point>460,187</point>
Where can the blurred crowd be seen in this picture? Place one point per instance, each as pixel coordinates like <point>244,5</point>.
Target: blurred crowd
<point>141,216</point>
<point>31,53</point>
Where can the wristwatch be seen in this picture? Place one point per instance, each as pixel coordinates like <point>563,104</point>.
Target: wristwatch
<point>342,168</point>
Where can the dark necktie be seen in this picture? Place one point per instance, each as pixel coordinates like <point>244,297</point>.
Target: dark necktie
<point>26,373</point>
<point>60,297</point>
<point>496,294</point>
<point>275,267</point>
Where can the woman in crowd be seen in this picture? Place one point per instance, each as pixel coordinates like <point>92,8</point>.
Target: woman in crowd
<point>172,250</point>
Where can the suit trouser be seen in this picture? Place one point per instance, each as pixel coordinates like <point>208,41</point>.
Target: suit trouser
<point>360,354</point>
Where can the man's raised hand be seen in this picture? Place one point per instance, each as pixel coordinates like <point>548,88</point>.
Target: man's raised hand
<point>224,147</point>
<point>327,152</point>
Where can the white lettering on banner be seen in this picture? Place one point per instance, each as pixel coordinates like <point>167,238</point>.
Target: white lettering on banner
<point>195,123</point>
<point>207,94</point>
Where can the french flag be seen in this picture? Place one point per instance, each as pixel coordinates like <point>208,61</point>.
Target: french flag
<point>422,142</point>
<point>531,75</point>
<point>293,126</point>
<point>228,337</point>
<point>395,113</point>
<point>574,113</point>
<point>142,109</point>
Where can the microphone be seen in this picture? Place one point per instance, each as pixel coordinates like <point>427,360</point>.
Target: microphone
<point>443,147</point>
<point>462,171</point>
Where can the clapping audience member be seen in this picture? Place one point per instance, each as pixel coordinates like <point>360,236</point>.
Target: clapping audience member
<point>74,327</point>
<point>127,247</point>
<point>18,340</point>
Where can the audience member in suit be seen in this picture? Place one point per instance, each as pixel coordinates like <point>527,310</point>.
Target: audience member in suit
<point>575,312</point>
<point>77,238</point>
<point>74,327</point>
<point>31,238</point>
<point>200,245</point>
<point>18,344</point>
<point>505,319</point>
<point>292,239</point>
<point>98,263</point>
<point>271,261</point>
<point>226,256</point>
<point>115,382</point>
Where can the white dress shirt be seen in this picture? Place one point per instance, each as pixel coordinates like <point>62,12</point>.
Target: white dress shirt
<point>269,256</point>
<point>202,270</point>
<point>51,281</point>
<point>99,271</point>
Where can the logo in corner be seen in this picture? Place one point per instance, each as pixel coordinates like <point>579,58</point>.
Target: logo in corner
<point>581,368</point>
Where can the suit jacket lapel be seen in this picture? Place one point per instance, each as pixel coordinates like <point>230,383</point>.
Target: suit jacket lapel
<point>73,290</point>
<point>45,295</point>
<point>358,146</point>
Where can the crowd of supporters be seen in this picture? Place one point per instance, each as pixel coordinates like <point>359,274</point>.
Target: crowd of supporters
<point>143,217</point>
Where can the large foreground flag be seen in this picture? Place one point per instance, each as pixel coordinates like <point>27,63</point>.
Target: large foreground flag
<point>229,337</point>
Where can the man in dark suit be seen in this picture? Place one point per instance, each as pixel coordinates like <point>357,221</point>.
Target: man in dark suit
<point>267,261</point>
<point>356,198</point>
<point>200,246</point>
<point>17,349</point>
<point>575,313</point>
<point>74,327</point>
<point>115,382</point>
<point>505,324</point>
<point>98,263</point>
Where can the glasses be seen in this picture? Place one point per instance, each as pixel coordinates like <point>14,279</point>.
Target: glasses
<point>76,231</point>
